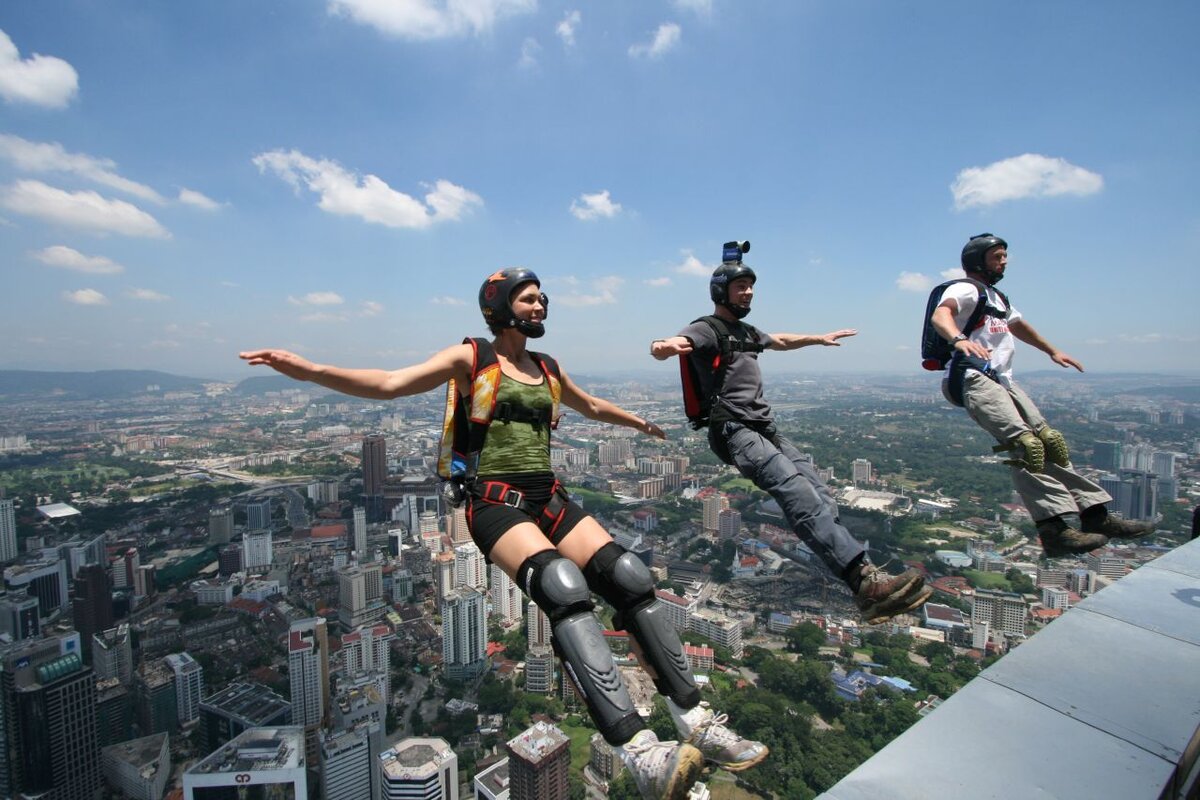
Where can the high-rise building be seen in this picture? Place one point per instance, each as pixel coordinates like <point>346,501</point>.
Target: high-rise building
<point>456,525</point>
<point>139,768</point>
<point>860,471</point>
<point>1106,563</point>
<point>112,654</point>
<point>189,685</point>
<point>729,523</point>
<point>47,722</point>
<point>44,578</point>
<point>1003,611</point>
<point>714,504</point>
<point>1107,456</point>
<point>1162,464</point>
<point>345,758</point>
<point>366,653</point>
<point>1055,597</point>
<point>19,617</point>
<point>258,514</point>
<point>114,711</point>
<point>155,701</point>
<point>374,464</point>
<point>362,708</point>
<point>470,569</point>
<point>539,762</point>
<point>721,629</point>
<point>92,606</point>
<point>360,533</point>
<point>259,763</point>
<point>604,759</point>
<point>464,634</point>
<point>444,575</point>
<point>238,708</point>
<point>539,669</point>
<point>614,453</point>
<point>537,626</point>
<point>491,783</point>
<point>419,769</point>
<point>8,532</point>
<point>229,559</point>
<point>323,491</point>
<point>257,551</point>
<point>360,595</point>
<point>220,526</point>
<point>308,668</point>
<point>143,581</point>
<point>505,596</point>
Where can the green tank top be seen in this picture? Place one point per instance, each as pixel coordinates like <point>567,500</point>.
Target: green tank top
<point>513,447</point>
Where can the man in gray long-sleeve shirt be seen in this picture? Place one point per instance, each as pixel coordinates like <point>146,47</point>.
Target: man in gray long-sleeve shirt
<point>722,352</point>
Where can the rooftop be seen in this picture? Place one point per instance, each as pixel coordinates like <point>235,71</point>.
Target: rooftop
<point>255,750</point>
<point>538,741</point>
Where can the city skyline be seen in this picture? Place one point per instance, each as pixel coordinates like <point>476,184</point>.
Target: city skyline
<point>340,181</point>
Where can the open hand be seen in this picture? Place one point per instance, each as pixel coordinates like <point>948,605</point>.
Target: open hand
<point>1064,360</point>
<point>282,361</point>
<point>831,339</point>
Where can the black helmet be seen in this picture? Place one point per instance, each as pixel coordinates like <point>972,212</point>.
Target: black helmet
<point>730,270</point>
<point>495,300</point>
<point>974,254</point>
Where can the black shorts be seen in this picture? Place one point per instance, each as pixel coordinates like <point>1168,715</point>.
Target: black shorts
<point>489,521</point>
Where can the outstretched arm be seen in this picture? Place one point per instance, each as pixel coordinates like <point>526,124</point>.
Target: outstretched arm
<point>376,384</point>
<point>794,341</point>
<point>1026,333</point>
<point>662,349</point>
<point>603,410</point>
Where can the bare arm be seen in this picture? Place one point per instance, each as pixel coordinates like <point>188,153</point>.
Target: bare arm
<point>662,349</point>
<point>794,341</point>
<point>376,384</point>
<point>1026,333</point>
<point>605,411</point>
<point>942,320</point>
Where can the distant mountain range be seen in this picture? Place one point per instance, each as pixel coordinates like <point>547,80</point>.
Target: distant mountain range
<point>25,385</point>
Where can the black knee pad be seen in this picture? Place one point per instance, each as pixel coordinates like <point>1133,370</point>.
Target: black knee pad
<point>620,578</point>
<point>626,583</point>
<point>555,584</point>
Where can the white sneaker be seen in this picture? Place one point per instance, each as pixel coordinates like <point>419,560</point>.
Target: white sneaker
<point>705,729</point>
<point>661,770</point>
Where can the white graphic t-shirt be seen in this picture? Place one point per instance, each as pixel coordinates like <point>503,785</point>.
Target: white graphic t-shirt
<point>992,332</point>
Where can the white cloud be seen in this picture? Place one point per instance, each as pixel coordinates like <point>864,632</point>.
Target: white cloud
<point>39,80</point>
<point>322,316</point>
<point>664,281</point>
<point>52,157</point>
<point>318,299</point>
<point>84,209</point>
<point>430,19</point>
<point>67,258</point>
<point>914,282</point>
<point>953,273</point>
<point>148,295</point>
<point>702,8</point>
<point>191,197</point>
<point>693,266</point>
<point>446,300</point>
<point>85,297</point>
<point>603,293</point>
<point>566,29</point>
<point>367,197</point>
<point>1027,175</point>
<point>370,308</point>
<point>665,39</point>
<point>595,206</point>
<point>529,53</point>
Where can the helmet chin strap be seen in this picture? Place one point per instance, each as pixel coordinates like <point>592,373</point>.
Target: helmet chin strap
<point>989,277</point>
<point>738,311</point>
<point>534,330</point>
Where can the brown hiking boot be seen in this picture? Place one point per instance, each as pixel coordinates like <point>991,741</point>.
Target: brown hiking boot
<point>881,596</point>
<point>1061,536</point>
<point>1113,525</point>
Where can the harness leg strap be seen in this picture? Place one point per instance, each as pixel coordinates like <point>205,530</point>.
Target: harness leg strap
<point>625,583</point>
<point>559,589</point>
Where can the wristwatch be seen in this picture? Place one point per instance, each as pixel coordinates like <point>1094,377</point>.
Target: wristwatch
<point>962,337</point>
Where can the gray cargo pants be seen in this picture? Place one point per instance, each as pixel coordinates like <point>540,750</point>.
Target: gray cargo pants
<point>1006,412</point>
<point>780,470</point>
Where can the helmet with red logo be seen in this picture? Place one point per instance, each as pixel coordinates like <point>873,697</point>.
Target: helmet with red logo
<point>495,301</point>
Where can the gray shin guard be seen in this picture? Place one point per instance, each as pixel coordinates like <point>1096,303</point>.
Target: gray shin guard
<point>660,644</point>
<point>585,655</point>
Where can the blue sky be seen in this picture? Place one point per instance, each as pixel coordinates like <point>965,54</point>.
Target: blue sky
<point>179,181</point>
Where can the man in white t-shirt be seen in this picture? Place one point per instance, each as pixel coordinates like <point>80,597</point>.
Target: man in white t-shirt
<point>1070,511</point>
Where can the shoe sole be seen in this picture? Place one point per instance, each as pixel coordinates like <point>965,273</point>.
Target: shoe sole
<point>1062,552</point>
<point>688,765</point>
<point>739,766</point>
<point>910,603</point>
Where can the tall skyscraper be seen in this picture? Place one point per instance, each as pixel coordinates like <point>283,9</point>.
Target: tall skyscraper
<point>258,514</point>
<point>189,685</point>
<point>456,526</point>
<point>539,763</point>
<point>8,532</point>
<point>260,763</point>
<point>505,596</point>
<point>374,471</point>
<point>157,705</point>
<point>257,550</point>
<point>444,575</point>
<point>48,722</point>
<point>464,634</point>
<point>346,764</point>
<point>92,606</point>
<point>861,471</point>
<point>1107,456</point>
<point>713,505</point>
<point>366,653</point>
<point>44,578</point>
<point>1003,611</point>
<point>220,525</point>
<point>419,768</point>
<point>19,617</point>
<point>360,533</point>
<point>229,559</point>
<point>469,567</point>
<point>539,669</point>
<point>138,768</point>
<point>360,595</point>
<point>308,669</point>
<point>729,523</point>
<point>537,626</point>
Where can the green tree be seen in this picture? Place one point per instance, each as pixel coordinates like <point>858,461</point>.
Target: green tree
<point>805,638</point>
